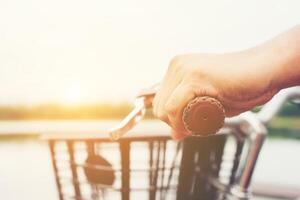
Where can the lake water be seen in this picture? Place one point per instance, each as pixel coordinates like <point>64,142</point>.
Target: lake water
<point>26,171</point>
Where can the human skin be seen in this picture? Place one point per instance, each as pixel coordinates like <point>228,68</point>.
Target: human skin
<point>239,80</point>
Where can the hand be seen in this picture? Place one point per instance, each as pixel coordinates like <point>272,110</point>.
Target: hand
<point>240,81</point>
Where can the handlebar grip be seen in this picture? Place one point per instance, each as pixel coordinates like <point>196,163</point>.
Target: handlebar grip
<point>203,116</point>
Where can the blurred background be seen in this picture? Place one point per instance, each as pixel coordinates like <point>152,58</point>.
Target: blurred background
<point>69,66</point>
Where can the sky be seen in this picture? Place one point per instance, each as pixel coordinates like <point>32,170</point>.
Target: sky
<point>72,51</point>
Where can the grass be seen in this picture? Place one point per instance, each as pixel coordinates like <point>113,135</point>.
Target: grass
<point>285,127</point>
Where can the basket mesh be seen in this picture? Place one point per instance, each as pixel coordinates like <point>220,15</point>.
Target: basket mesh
<point>144,168</point>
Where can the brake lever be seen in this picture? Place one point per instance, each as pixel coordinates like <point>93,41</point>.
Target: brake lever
<point>142,102</point>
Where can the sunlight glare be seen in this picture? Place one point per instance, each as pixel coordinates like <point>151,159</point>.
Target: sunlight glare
<point>73,95</point>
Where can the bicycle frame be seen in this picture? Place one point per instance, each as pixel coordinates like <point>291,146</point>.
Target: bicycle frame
<point>254,127</point>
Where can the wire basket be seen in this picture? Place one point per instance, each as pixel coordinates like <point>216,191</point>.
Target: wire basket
<point>139,167</point>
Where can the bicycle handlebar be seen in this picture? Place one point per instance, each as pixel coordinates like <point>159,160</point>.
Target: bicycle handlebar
<point>270,109</point>
<point>202,116</point>
<point>205,115</point>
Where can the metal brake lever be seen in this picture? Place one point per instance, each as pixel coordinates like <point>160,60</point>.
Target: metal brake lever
<point>142,102</point>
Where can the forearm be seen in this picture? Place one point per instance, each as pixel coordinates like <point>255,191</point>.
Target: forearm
<point>284,56</point>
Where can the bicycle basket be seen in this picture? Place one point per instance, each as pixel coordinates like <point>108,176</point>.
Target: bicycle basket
<point>145,167</point>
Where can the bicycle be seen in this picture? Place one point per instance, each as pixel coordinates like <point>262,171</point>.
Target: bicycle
<point>153,166</point>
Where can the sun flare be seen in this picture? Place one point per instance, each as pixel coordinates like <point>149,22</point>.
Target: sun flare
<point>72,95</point>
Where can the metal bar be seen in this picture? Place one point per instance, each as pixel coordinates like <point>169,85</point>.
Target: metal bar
<point>186,170</point>
<point>132,137</point>
<point>255,133</point>
<point>156,172</point>
<point>236,161</point>
<point>73,169</point>
<point>125,163</point>
<point>150,169</point>
<point>163,170</point>
<point>53,161</point>
<point>178,147</point>
<point>90,145</point>
<point>275,104</point>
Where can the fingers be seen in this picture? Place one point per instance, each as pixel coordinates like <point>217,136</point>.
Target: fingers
<point>168,84</point>
<point>170,103</point>
<point>177,136</point>
<point>175,105</point>
<point>180,98</point>
<point>179,86</point>
<point>169,107</point>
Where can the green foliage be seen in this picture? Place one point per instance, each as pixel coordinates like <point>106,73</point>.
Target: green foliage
<point>287,127</point>
<point>290,109</point>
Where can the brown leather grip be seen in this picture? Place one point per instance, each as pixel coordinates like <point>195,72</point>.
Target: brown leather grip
<point>203,116</point>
